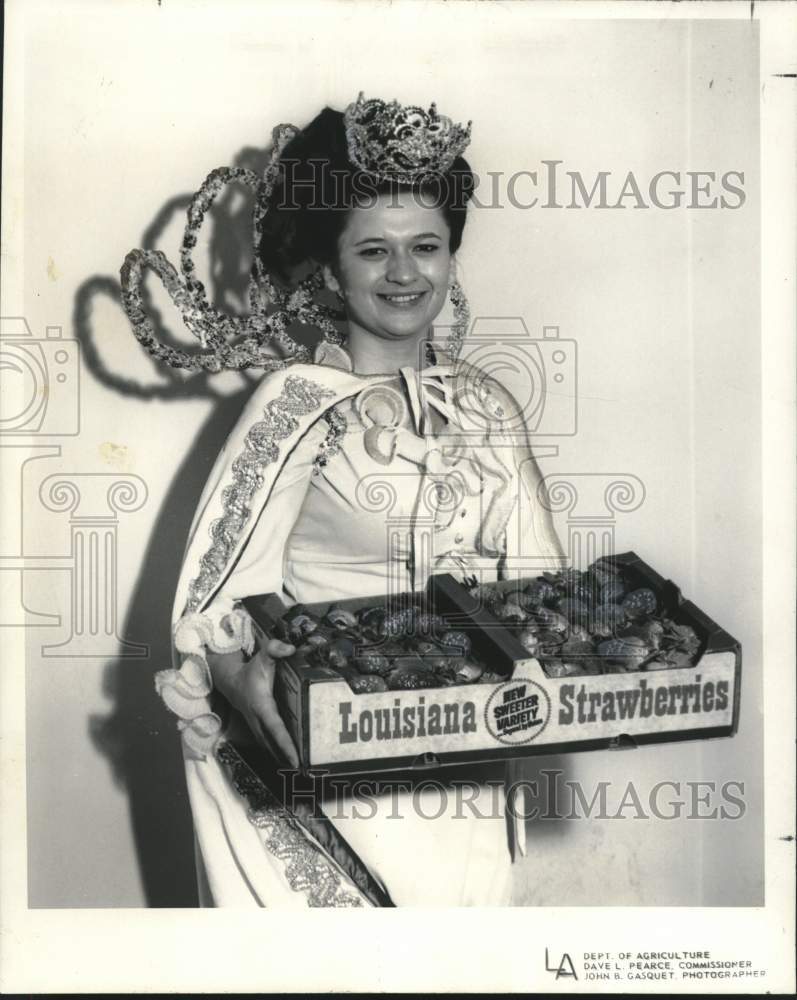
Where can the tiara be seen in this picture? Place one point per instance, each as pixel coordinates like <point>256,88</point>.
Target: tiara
<point>415,143</point>
<point>397,143</point>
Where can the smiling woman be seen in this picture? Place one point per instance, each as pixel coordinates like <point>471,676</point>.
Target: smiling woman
<point>322,492</point>
<point>386,241</point>
<point>393,284</point>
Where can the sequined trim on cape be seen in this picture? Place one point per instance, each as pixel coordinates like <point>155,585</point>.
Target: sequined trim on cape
<point>330,446</point>
<point>306,869</point>
<point>299,396</point>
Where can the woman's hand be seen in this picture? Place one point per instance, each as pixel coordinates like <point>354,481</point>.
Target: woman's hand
<point>249,687</point>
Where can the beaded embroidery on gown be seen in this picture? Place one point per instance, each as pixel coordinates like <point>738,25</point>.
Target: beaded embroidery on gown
<point>380,490</point>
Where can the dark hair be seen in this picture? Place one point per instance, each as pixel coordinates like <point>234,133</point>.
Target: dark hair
<point>318,185</point>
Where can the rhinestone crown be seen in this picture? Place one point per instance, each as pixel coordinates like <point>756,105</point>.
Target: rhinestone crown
<point>405,144</point>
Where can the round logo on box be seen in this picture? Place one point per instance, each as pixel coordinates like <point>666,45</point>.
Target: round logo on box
<point>517,711</point>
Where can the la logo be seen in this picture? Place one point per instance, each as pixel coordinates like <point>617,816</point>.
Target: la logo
<point>565,968</point>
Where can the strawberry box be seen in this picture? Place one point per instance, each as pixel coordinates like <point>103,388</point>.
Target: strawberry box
<point>389,683</point>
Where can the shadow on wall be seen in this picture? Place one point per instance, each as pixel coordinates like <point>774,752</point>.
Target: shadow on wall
<point>139,737</point>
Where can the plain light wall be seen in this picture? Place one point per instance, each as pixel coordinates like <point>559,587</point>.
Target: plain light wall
<point>129,106</point>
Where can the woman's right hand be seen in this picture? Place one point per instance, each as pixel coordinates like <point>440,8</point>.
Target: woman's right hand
<point>249,687</point>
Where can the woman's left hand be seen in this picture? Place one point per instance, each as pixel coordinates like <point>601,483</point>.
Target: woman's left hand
<point>249,688</point>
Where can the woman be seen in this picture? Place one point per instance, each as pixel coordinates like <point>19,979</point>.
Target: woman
<point>376,198</point>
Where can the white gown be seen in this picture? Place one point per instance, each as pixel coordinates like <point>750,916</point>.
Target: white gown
<point>371,484</point>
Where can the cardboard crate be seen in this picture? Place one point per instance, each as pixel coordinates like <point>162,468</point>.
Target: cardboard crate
<point>340,732</point>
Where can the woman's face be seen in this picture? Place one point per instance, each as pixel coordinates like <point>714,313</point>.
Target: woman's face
<point>393,266</point>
